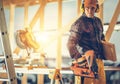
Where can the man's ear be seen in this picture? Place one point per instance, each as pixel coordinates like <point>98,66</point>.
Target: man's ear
<point>97,8</point>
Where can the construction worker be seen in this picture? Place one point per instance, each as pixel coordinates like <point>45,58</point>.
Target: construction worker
<point>85,38</point>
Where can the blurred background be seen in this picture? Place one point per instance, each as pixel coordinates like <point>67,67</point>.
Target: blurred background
<point>52,35</point>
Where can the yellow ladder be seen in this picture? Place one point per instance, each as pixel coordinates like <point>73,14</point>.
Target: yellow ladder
<point>8,69</point>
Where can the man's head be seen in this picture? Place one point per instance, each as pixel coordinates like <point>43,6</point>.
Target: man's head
<point>90,7</point>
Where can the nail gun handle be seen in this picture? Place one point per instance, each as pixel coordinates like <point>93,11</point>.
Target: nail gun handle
<point>90,61</point>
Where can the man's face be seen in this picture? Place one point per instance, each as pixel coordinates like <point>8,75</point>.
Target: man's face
<point>90,11</point>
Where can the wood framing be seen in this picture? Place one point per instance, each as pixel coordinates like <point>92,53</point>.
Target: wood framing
<point>113,22</point>
<point>39,14</point>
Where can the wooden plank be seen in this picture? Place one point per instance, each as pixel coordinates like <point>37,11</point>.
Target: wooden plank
<point>77,80</point>
<point>59,39</point>
<point>100,13</point>
<point>24,79</point>
<point>26,14</point>
<point>3,75</point>
<point>100,2</point>
<point>79,3</point>
<point>42,15</point>
<point>113,22</point>
<point>40,79</point>
<point>37,15</point>
<point>59,56</point>
<point>11,25</point>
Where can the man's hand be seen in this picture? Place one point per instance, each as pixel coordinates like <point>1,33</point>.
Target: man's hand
<point>89,55</point>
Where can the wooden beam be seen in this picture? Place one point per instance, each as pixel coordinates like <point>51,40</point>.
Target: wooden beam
<point>59,56</point>
<point>20,3</point>
<point>100,2</point>
<point>79,12</point>
<point>79,3</point>
<point>26,14</point>
<point>100,13</point>
<point>35,18</point>
<point>113,22</point>
<point>37,15</point>
<point>42,15</point>
<point>11,25</point>
<point>77,80</point>
<point>24,79</point>
<point>40,79</point>
<point>3,75</point>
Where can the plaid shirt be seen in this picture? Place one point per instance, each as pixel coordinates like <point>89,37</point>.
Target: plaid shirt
<point>85,34</point>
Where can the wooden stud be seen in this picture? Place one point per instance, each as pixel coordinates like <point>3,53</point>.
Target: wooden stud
<point>26,14</point>
<point>24,79</point>
<point>79,3</point>
<point>11,29</point>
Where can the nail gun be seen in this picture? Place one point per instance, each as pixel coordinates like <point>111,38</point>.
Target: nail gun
<point>85,66</point>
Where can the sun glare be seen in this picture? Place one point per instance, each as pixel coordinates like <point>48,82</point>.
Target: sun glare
<point>42,37</point>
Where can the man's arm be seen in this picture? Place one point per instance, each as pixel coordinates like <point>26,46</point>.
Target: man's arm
<point>73,42</point>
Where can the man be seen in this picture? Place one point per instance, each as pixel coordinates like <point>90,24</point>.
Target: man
<point>85,39</point>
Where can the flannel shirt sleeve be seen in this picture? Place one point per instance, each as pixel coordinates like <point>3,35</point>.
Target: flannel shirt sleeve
<point>73,47</point>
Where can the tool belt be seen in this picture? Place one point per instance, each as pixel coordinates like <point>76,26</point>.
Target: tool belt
<point>82,68</point>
